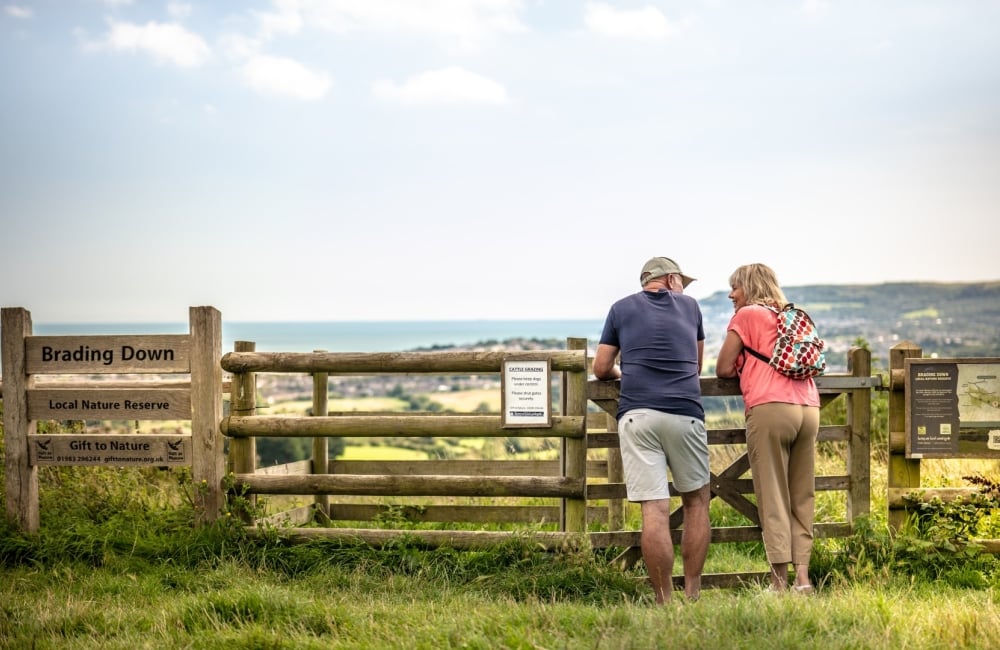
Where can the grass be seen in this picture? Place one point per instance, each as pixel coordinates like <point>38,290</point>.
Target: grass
<point>347,598</point>
<point>380,452</point>
<point>118,564</point>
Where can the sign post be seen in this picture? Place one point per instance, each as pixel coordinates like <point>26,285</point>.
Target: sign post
<point>952,408</point>
<point>25,402</point>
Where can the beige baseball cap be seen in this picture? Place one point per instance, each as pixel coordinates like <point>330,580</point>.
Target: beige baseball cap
<point>659,266</point>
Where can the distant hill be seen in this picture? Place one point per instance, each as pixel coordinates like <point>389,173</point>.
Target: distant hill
<point>945,320</point>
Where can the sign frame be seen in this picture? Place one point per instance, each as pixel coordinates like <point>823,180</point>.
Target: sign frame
<point>526,392</point>
<point>952,408</point>
<point>116,450</point>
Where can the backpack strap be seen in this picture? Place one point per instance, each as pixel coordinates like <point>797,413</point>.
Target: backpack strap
<point>757,354</point>
<point>749,349</point>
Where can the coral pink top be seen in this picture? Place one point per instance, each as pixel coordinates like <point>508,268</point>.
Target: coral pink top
<point>757,327</point>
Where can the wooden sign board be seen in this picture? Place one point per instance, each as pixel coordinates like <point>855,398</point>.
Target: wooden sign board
<point>526,398</point>
<point>138,450</point>
<point>952,408</point>
<point>109,404</point>
<point>153,353</point>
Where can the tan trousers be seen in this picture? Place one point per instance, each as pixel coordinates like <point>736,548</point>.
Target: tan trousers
<point>781,443</point>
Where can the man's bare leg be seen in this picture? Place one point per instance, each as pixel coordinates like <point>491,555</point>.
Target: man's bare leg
<point>695,539</point>
<point>657,547</point>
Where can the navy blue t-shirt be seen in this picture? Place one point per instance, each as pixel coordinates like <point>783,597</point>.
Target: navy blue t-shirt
<point>658,336</point>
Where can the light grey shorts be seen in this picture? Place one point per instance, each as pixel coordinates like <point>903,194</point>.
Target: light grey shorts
<point>651,441</point>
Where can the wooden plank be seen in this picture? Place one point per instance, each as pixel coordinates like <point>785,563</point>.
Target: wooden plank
<point>902,472</point>
<point>458,539</point>
<point>896,496</point>
<point>296,517</point>
<point>109,404</point>
<point>443,425</point>
<point>729,534</point>
<point>20,476</point>
<point>295,468</point>
<point>447,467</point>
<point>117,450</point>
<point>208,464</point>
<point>597,491</point>
<point>472,486</point>
<point>859,417</point>
<point>437,514</point>
<point>242,457</point>
<point>574,449</point>
<point>361,363</point>
<point>115,354</point>
<point>321,445</point>
<point>595,468</point>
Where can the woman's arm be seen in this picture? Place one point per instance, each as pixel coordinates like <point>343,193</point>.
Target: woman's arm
<point>725,366</point>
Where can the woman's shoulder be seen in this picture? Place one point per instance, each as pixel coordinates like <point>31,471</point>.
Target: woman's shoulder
<point>754,312</point>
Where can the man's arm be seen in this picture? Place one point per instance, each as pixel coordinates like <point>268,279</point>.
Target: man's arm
<point>604,362</point>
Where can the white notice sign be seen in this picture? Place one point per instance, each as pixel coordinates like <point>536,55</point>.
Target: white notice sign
<point>527,393</point>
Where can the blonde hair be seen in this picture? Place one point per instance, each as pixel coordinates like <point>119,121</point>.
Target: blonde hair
<point>759,284</point>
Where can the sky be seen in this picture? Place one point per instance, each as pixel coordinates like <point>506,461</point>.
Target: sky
<point>485,159</point>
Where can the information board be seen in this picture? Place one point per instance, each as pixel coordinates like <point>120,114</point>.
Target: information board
<point>952,408</point>
<point>527,393</point>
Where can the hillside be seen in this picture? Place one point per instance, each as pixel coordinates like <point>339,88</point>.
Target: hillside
<point>946,320</point>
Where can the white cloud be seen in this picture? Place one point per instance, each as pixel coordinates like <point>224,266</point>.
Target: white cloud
<point>446,86</point>
<point>277,75</point>
<point>179,9</point>
<point>470,23</point>
<point>237,46</point>
<point>647,23</point>
<point>287,19</point>
<point>17,11</point>
<point>165,42</point>
<point>815,8</point>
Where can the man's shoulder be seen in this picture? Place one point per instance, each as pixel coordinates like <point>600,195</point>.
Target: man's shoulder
<point>627,300</point>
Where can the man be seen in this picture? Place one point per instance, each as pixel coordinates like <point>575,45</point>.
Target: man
<point>661,421</point>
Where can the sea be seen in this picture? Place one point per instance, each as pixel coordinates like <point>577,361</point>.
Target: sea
<point>352,336</point>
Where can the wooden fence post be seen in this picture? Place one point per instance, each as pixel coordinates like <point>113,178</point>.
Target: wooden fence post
<point>616,474</point>
<point>208,467</point>
<point>21,478</point>
<point>903,472</point>
<point>243,451</point>
<point>859,420</point>
<point>574,456</point>
<point>321,445</point>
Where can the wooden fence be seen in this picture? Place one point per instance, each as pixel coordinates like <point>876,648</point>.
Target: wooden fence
<point>580,496</point>
<point>585,485</point>
<point>73,394</point>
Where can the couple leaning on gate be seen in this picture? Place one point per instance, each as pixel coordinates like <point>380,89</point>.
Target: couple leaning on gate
<point>660,337</point>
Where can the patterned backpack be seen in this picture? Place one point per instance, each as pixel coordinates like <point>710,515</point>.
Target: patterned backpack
<point>798,352</point>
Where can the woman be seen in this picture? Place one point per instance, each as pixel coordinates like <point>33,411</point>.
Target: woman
<point>782,421</point>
